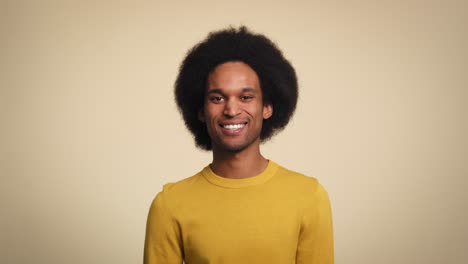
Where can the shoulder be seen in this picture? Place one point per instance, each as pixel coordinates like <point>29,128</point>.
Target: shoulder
<point>181,185</point>
<point>293,177</point>
<point>304,185</point>
<point>177,191</point>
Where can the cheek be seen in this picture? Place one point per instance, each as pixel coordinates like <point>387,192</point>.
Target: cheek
<point>210,118</point>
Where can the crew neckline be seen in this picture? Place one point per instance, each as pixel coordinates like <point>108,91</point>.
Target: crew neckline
<point>258,179</point>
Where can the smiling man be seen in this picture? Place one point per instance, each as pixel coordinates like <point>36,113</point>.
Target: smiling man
<point>235,90</point>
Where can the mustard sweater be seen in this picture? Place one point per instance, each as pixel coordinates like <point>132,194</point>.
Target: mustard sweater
<point>278,216</point>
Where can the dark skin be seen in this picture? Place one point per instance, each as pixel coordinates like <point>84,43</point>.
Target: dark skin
<point>234,112</point>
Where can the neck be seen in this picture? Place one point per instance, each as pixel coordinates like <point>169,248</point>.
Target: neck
<point>237,165</point>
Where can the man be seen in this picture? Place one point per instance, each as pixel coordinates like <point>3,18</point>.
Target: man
<point>234,90</point>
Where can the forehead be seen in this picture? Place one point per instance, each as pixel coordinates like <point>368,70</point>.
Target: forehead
<point>230,75</point>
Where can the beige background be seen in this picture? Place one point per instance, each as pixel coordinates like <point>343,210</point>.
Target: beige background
<point>90,131</point>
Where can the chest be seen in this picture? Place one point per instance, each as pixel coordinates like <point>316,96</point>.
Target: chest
<point>233,229</point>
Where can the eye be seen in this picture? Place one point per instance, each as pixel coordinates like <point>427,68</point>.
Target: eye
<point>246,97</point>
<point>216,99</point>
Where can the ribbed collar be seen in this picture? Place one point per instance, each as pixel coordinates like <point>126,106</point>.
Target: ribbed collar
<point>263,177</point>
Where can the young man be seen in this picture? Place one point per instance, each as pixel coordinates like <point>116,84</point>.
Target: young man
<point>234,90</point>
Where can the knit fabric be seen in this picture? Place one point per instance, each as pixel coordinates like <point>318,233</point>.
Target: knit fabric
<point>278,216</point>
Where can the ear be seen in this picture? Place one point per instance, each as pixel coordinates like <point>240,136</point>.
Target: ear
<point>267,110</point>
<point>201,115</point>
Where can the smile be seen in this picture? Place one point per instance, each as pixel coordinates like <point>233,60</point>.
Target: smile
<point>233,126</point>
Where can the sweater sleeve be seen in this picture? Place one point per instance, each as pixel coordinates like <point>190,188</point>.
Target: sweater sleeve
<point>163,238</point>
<point>315,244</point>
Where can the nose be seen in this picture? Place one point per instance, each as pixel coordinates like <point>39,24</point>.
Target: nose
<point>231,108</point>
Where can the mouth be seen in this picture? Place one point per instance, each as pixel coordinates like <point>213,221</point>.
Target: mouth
<point>233,127</point>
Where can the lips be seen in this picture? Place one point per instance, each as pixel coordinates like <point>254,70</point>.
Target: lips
<point>232,128</point>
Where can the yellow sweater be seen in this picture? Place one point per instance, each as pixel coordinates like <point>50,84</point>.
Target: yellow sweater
<point>278,216</point>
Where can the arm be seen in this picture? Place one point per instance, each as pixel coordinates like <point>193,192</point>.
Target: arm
<point>315,244</point>
<point>162,243</point>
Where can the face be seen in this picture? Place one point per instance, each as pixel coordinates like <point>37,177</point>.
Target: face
<point>234,109</point>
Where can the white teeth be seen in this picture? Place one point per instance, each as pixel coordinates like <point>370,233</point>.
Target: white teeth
<point>234,127</point>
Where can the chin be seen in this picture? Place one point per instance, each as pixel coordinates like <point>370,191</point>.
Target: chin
<point>230,147</point>
<point>233,147</point>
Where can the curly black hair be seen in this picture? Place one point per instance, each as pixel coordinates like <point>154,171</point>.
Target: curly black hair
<point>277,77</point>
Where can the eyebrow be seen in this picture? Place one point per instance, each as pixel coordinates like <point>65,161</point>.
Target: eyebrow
<point>244,90</point>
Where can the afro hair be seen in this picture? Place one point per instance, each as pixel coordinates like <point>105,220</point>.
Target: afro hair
<point>277,77</point>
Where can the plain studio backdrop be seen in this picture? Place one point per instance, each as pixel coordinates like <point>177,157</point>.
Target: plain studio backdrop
<point>90,131</point>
